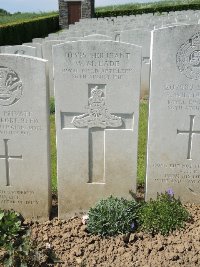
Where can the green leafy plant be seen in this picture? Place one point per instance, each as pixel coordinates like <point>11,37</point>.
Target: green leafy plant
<point>113,216</point>
<point>13,239</point>
<point>10,226</point>
<point>162,215</point>
<point>16,247</point>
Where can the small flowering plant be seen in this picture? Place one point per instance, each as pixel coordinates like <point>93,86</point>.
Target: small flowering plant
<point>170,192</point>
<point>133,226</point>
<point>163,215</point>
<point>113,216</point>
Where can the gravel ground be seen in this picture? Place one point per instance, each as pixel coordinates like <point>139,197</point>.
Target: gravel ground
<point>73,246</point>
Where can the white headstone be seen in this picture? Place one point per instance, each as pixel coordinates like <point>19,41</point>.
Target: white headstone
<point>53,35</point>
<point>21,50</point>
<point>24,137</point>
<point>38,47</point>
<point>174,120</point>
<point>97,86</point>
<point>141,37</point>
<point>47,54</point>
<point>2,49</point>
<point>52,38</point>
<point>71,39</point>
<point>38,40</point>
<point>69,33</point>
<point>97,37</point>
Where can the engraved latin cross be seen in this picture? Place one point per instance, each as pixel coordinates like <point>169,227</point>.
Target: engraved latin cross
<point>190,132</point>
<point>96,120</point>
<point>7,157</point>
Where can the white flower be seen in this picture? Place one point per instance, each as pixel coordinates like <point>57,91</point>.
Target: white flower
<point>84,219</point>
<point>48,246</point>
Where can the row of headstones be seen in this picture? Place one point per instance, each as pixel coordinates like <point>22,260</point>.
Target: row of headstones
<point>97,89</point>
<point>145,20</point>
<point>42,47</point>
<point>44,50</point>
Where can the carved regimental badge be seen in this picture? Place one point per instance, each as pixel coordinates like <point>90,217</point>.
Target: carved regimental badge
<point>98,114</point>
<point>188,57</point>
<point>10,86</point>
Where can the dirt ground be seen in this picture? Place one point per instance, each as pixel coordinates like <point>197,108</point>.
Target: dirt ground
<point>74,246</point>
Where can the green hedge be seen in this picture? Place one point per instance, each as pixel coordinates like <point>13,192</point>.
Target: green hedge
<point>25,31</point>
<point>3,12</point>
<point>154,9</point>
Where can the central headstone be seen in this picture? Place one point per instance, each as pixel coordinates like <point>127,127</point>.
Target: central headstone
<point>97,86</point>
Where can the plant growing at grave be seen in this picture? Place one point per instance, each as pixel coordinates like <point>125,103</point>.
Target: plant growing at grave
<point>16,247</point>
<point>13,241</point>
<point>163,215</point>
<point>113,216</point>
<point>10,226</point>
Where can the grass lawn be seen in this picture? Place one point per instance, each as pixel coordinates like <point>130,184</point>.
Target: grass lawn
<point>19,17</point>
<point>141,146</point>
<point>53,153</point>
<point>140,6</point>
<point>142,142</point>
<point>6,19</point>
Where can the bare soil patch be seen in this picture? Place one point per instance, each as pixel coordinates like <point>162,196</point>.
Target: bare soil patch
<point>74,246</point>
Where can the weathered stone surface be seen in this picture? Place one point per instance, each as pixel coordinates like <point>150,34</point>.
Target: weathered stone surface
<point>47,54</point>
<point>2,49</point>
<point>21,50</point>
<point>38,40</point>
<point>24,137</point>
<point>141,37</point>
<point>97,37</point>
<point>174,122</point>
<point>97,87</point>
<point>70,39</point>
<point>38,47</point>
